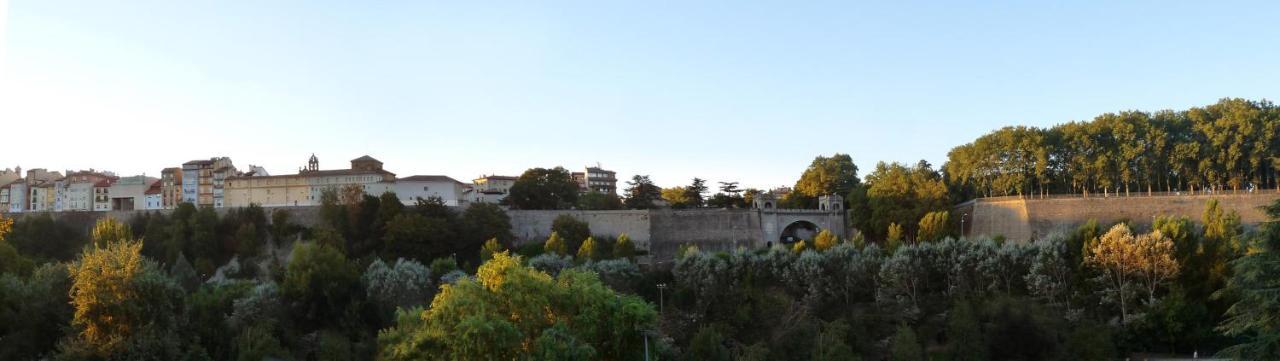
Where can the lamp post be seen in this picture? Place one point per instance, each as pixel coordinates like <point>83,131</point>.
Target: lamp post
<point>963,234</point>
<point>661,303</point>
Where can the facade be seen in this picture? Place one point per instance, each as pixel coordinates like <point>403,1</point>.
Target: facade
<point>491,188</point>
<point>596,179</point>
<point>170,187</point>
<point>305,188</point>
<point>5,194</point>
<point>128,193</point>
<point>154,196</point>
<point>77,194</point>
<point>450,190</point>
<point>203,181</point>
<point>9,175</point>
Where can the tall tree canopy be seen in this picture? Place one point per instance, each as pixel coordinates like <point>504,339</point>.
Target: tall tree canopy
<point>1231,144</point>
<point>542,188</point>
<point>828,175</point>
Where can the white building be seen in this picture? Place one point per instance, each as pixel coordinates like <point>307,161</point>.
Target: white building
<point>450,190</point>
<point>491,188</point>
<point>154,197</point>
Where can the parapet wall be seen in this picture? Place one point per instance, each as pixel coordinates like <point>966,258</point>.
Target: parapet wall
<point>535,225</point>
<point>1025,219</point>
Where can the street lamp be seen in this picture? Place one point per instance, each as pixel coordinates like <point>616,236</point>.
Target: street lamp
<point>661,287</point>
<point>963,234</point>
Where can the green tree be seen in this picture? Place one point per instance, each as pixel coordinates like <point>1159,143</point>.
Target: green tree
<point>708,344</point>
<point>415,236</point>
<point>1252,318</point>
<point>695,191</point>
<point>542,188</point>
<point>828,175</point>
<point>482,222</point>
<point>319,285</point>
<point>596,201</point>
<point>641,193</point>
<point>905,345</point>
<point>571,229</point>
<point>903,195</point>
<point>964,334</point>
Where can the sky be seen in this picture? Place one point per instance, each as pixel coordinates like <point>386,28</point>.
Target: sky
<point>746,91</point>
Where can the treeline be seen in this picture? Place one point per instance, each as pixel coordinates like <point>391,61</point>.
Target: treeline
<point>1095,293</point>
<point>1233,144</point>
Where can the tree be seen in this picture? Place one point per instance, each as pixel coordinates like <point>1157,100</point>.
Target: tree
<point>1124,259</point>
<point>482,222</point>
<point>508,305</point>
<point>828,175</point>
<point>932,227</point>
<point>642,193</point>
<point>894,234</point>
<point>708,344</point>
<point>825,240</point>
<point>624,248</point>
<point>490,247</point>
<point>677,197</point>
<point>596,201</point>
<point>1252,318</point>
<point>694,192</point>
<point>319,285</point>
<point>406,283</point>
<point>571,229</point>
<point>418,237</point>
<point>964,335</point>
<point>589,251</point>
<point>903,195</point>
<point>108,230</point>
<point>800,246</point>
<point>905,345</point>
<point>542,188</point>
<point>120,300</point>
<point>555,245</point>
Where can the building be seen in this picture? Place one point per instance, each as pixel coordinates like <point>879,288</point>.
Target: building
<point>596,179</point>
<point>6,195</point>
<point>170,187</point>
<point>128,193</point>
<point>203,181</point>
<point>491,188</point>
<point>9,175</point>
<point>306,187</point>
<point>154,196</point>
<point>77,194</point>
<point>449,190</point>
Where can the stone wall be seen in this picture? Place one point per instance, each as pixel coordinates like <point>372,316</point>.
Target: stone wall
<point>708,229</point>
<point>1023,219</point>
<point>535,225</point>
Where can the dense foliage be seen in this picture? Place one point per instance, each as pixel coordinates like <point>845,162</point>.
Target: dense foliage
<point>1232,144</point>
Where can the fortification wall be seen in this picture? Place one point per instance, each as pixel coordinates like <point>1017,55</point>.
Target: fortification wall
<point>1023,219</point>
<point>535,225</point>
<point>708,229</point>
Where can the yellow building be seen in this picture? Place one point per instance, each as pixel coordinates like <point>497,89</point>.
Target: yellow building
<point>304,188</point>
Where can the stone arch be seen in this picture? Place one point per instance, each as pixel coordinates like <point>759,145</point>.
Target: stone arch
<point>768,205</point>
<point>798,230</point>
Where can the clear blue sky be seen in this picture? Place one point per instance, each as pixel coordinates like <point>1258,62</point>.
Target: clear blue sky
<point>732,90</point>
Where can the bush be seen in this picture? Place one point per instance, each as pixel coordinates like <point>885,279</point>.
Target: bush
<point>406,283</point>
<point>551,263</point>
